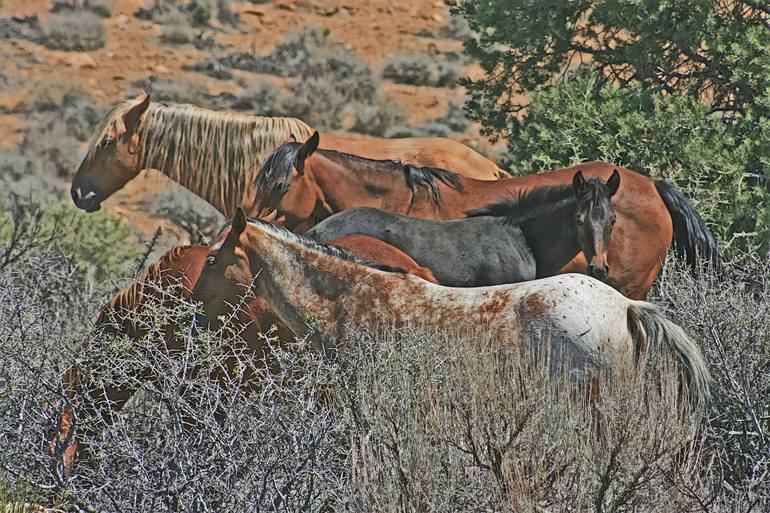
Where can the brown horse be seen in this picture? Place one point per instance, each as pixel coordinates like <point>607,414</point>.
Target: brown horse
<point>584,325</point>
<point>300,185</point>
<point>216,155</point>
<point>173,276</point>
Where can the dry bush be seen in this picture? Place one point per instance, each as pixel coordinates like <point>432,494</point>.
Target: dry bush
<point>178,91</point>
<point>200,220</point>
<point>453,121</point>
<point>404,421</point>
<point>451,425</point>
<point>729,314</point>
<point>99,7</point>
<point>422,70</point>
<point>60,118</point>
<point>327,87</point>
<point>196,13</point>
<point>81,31</point>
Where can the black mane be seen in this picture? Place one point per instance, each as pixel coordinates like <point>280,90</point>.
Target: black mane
<point>276,171</point>
<point>540,201</point>
<point>327,249</point>
<point>426,177</point>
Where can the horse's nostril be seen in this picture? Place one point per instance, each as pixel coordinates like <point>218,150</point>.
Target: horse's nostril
<point>599,272</point>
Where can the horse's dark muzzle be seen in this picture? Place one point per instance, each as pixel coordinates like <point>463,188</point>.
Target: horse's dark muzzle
<point>88,201</point>
<point>600,273</point>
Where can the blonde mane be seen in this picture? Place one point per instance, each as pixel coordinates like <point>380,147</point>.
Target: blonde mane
<point>211,153</point>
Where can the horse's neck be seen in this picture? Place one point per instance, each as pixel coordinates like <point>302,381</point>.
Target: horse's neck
<point>552,238</point>
<point>192,180</point>
<point>344,186</point>
<point>300,285</point>
<point>223,182</point>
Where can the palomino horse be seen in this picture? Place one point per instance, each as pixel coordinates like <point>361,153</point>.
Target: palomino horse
<point>174,275</point>
<point>301,186</point>
<point>585,325</point>
<point>216,155</point>
<point>507,242</point>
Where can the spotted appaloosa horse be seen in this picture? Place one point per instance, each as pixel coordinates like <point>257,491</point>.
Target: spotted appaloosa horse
<point>300,185</point>
<point>216,154</point>
<point>172,277</point>
<point>584,324</point>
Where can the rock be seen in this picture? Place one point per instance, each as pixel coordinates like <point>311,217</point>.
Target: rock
<point>159,68</point>
<point>121,20</point>
<point>325,9</point>
<point>81,60</point>
<point>437,17</point>
<point>254,12</point>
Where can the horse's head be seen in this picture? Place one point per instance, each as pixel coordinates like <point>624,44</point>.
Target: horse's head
<point>595,219</point>
<point>284,187</point>
<point>226,277</point>
<point>112,159</point>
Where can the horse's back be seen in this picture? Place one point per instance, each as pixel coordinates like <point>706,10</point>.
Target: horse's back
<point>420,151</point>
<point>380,252</point>
<point>580,321</point>
<point>182,266</point>
<point>469,252</point>
<point>178,269</point>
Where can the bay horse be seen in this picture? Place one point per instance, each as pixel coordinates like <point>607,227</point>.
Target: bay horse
<point>507,242</point>
<point>585,325</point>
<point>300,185</point>
<point>216,155</point>
<point>167,280</point>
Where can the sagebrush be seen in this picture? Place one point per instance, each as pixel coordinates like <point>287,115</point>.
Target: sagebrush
<point>405,421</point>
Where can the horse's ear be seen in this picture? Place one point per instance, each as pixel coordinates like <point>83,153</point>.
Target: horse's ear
<point>309,146</point>
<point>132,116</point>
<point>237,226</point>
<point>307,149</point>
<point>578,182</point>
<point>613,183</point>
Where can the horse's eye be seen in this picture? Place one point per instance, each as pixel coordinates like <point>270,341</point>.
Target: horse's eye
<point>211,260</point>
<point>107,142</point>
<point>580,218</point>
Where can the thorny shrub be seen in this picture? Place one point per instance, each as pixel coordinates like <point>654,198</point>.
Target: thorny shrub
<point>404,421</point>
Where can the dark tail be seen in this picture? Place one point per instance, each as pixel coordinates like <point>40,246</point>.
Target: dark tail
<point>692,238</point>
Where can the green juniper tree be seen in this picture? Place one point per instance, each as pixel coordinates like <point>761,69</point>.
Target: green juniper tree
<point>675,89</point>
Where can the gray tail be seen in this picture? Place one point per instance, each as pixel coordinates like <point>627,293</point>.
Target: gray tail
<point>661,335</point>
<point>692,238</point>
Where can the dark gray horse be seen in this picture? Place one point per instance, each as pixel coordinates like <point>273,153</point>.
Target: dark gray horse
<point>516,239</point>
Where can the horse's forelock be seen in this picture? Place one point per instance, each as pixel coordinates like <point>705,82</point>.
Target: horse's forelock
<point>107,128</point>
<point>595,189</point>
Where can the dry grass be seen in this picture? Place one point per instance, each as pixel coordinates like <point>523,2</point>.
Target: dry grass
<point>404,421</point>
